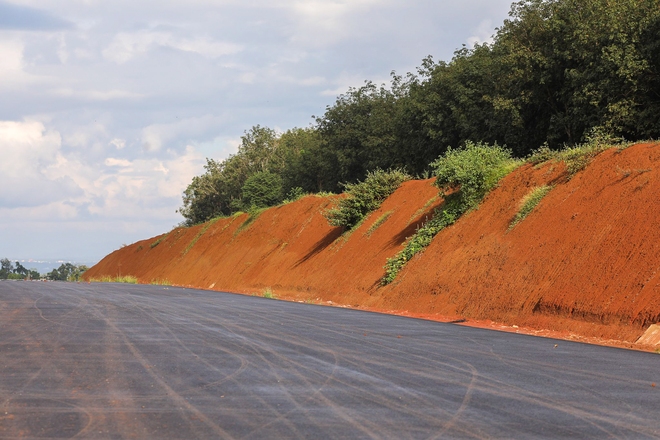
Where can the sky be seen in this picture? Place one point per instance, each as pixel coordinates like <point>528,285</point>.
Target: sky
<point>109,108</point>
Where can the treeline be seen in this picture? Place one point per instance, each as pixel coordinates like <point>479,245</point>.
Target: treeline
<point>10,272</point>
<point>557,73</point>
<point>66,272</point>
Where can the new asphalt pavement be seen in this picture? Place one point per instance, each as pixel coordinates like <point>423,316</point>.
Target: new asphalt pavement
<point>131,361</point>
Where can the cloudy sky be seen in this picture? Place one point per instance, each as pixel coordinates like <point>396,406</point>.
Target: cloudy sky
<point>109,107</point>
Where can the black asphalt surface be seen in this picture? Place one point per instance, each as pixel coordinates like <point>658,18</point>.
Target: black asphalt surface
<point>126,361</point>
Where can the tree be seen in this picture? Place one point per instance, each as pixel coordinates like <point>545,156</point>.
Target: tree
<point>67,272</point>
<point>218,191</point>
<point>6,267</point>
<point>20,269</point>
<point>357,132</point>
<point>304,162</point>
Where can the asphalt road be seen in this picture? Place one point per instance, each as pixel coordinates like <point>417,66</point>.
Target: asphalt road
<point>125,361</point>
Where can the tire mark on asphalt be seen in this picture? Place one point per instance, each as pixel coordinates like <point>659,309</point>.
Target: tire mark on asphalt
<point>171,393</point>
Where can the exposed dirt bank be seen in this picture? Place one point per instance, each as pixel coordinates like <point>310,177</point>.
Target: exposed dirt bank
<point>585,262</point>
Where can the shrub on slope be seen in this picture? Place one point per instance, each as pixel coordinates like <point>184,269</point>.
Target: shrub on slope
<point>472,172</point>
<point>365,197</point>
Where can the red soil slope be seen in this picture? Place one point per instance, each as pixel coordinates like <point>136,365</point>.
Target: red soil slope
<point>586,260</point>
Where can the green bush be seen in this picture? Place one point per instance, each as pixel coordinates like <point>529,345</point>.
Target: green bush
<point>472,172</point>
<point>365,197</point>
<point>262,190</point>
<point>529,202</point>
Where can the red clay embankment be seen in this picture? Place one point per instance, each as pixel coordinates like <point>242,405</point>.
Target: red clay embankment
<point>585,261</point>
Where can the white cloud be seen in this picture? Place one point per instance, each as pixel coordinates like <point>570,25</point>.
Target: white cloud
<point>483,34</point>
<point>41,180</point>
<point>325,22</point>
<point>119,144</point>
<point>28,152</point>
<point>96,95</point>
<point>346,80</point>
<point>156,135</point>
<point>126,46</point>
<point>12,65</point>
<point>111,162</point>
<point>11,57</point>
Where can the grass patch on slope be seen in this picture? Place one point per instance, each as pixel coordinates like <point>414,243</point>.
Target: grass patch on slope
<point>379,221</point>
<point>200,233</point>
<point>529,202</point>
<point>578,157</point>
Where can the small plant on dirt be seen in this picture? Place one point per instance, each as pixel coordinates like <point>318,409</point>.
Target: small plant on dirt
<point>471,172</point>
<point>474,170</point>
<point>160,282</point>
<point>157,242</point>
<point>253,214</point>
<point>201,232</point>
<point>379,221</point>
<point>529,202</point>
<point>423,209</point>
<point>364,197</point>
<point>268,293</point>
<point>421,239</point>
<point>324,194</point>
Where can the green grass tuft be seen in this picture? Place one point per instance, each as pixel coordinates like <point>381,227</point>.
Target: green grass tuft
<point>127,279</point>
<point>253,214</point>
<point>578,157</point>
<point>379,221</point>
<point>160,282</point>
<point>158,241</point>
<point>268,293</point>
<point>529,202</point>
<point>200,233</point>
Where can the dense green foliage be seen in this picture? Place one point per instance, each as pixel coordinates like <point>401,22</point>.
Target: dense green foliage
<point>364,197</point>
<point>557,73</point>
<point>262,189</point>
<point>67,272</point>
<point>18,272</point>
<point>470,172</point>
<point>474,170</point>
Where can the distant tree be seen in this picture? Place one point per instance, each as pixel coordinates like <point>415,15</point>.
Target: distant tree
<point>20,269</point>
<point>6,268</point>
<point>67,272</point>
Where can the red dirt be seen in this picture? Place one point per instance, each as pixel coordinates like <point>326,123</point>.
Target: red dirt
<point>582,265</point>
